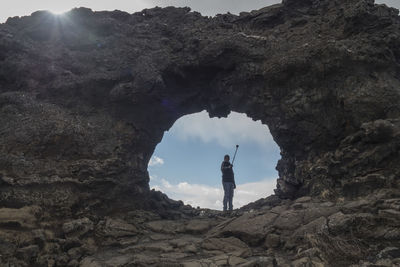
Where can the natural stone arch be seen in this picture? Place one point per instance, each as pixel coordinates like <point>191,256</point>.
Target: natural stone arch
<point>185,165</point>
<point>95,92</point>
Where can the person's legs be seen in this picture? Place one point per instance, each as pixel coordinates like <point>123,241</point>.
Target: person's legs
<point>231,196</point>
<point>226,192</point>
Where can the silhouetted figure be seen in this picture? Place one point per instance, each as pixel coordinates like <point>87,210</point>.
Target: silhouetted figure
<point>228,182</point>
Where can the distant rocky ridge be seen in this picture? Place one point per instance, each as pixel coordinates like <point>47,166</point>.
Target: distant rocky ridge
<point>85,98</point>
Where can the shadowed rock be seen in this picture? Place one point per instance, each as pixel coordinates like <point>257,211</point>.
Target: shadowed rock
<point>86,97</point>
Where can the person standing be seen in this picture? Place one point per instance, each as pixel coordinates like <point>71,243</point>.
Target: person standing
<point>228,182</point>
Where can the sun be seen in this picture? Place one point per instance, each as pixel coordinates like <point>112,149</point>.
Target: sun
<point>58,10</point>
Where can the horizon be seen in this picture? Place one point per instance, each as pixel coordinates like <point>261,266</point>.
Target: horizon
<point>19,8</point>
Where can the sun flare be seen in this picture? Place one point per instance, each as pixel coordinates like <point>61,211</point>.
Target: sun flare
<point>58,11</point>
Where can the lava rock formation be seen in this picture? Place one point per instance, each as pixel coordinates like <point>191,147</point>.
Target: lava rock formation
<point>86,97</point>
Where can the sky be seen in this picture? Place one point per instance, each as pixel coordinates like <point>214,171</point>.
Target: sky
<point>186,164</point>
<point>205,7</point>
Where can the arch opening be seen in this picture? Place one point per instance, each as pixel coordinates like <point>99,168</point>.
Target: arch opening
<point>186,163</point>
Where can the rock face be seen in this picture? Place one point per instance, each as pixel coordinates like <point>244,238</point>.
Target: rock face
<point>86,97</point>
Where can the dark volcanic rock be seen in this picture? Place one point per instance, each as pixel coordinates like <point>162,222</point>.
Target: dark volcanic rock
<point>86,97</point>
<point>77,91</point>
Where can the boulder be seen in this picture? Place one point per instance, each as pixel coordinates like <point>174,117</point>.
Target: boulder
<point>272,241</point>
<point>198,226</point>
<point>260,261</point>
<point>25,217</point>
<point>229,245</point>
<point>249,227</point>
<point>166,226</point>
<point>27,254</point>
<point>78,227</point>
<point>389,252</point>
<point>118,228</point>
<point>289,220</point>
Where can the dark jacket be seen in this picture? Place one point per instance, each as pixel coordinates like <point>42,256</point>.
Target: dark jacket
<point>227,172</point>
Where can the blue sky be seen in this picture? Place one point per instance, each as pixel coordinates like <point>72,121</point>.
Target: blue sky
<point>194,147</point>
<point>186,164</point>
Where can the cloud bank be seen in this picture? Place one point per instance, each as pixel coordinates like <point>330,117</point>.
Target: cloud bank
<point>154,161</point>
<point>227,132</point>
<point>391,3</point>
<point>210,197</point>
<point>212,7</point>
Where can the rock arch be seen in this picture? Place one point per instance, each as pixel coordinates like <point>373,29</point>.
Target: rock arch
<point>86,97</point>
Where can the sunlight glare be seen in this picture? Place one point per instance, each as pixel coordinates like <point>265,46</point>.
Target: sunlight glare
<point>58,11</point>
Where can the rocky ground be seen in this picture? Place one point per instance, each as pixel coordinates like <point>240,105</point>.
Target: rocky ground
<point>270,232</point>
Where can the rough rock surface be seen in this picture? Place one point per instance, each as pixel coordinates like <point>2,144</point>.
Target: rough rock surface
<point>86,97</point>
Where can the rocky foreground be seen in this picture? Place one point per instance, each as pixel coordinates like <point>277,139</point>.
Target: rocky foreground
<point>86,97</point>
<point>271,232</point>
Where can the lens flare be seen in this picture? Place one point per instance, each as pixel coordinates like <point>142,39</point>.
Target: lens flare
<point>58,11</point>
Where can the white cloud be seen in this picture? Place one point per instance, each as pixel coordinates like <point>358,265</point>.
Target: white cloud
<point>391,3</point>
<point>250,192</point>
<point>154,161</point>
<point>236,129</point>
<point>212,7</point>
<point>210,197</point>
